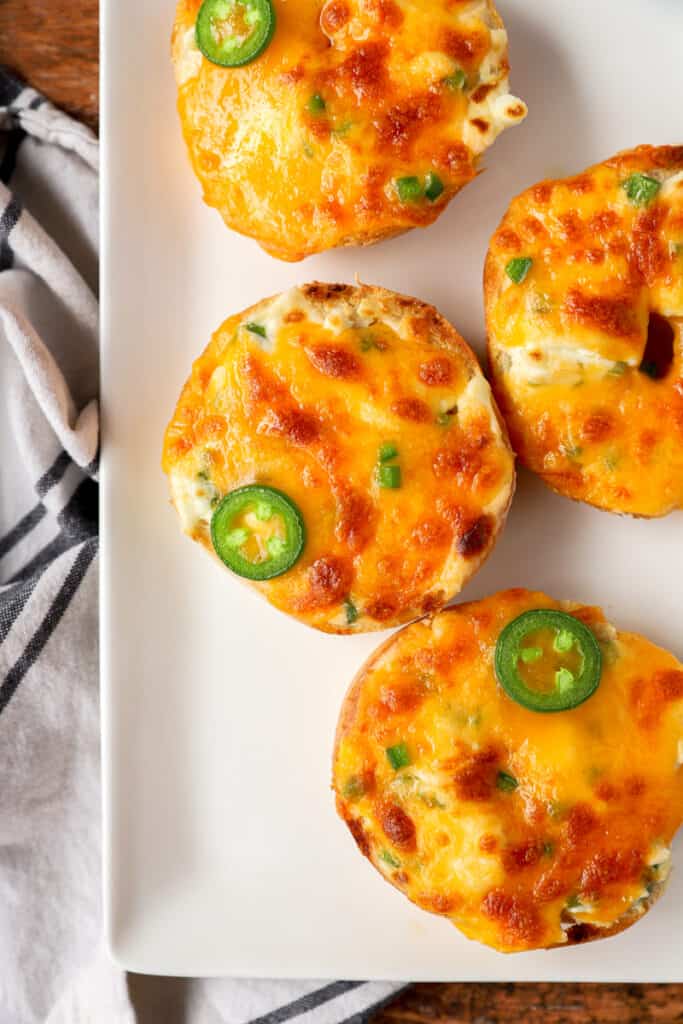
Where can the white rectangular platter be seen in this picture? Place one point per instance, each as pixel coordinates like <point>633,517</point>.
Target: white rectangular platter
<point>223,854</point>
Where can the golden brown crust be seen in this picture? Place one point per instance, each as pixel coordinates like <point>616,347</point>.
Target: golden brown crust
<point>301,180</point>
<point>566,347</point>
<point>579,932</point>
<point>308,408</point>
<point>349,706</point>
<point>597,790</point>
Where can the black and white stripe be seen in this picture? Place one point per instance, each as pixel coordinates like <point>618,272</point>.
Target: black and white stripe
<point>336,1002</point>
<point>16,96</point>
<point>37,102</point>
<point>70,495</point>
<point>10,89</point>
<point>373,1004</point>
<point>51,542</point>
<point>14,99</point>
<point>64,518</point>
<point>9,218</point>
<point>72,579</point>
<point>9,154</point>
<point>307,1003</point>
<point>22,529</point>
<point>34,516</point>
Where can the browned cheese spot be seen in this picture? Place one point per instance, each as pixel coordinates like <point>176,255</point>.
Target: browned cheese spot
<point>334,361</point>
<point>437,372</point>
<point>476,537</point>
<point>516,915</point>
<point>299,427</point>
<point>475,778</point>
<point>615,316</point>
<point>330,580</point>
<point>413,409</point>
<point>398,826</point>
<point>356,520</point>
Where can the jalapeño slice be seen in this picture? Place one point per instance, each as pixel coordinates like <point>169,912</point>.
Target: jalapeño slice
<point>234,32</point>
<point>258,532</point>
<point>547,660</point>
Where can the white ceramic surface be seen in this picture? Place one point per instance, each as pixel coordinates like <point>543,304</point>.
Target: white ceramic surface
<point>223,854</point>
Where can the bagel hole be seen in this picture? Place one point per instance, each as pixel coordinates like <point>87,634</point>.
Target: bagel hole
<point>659,348</point>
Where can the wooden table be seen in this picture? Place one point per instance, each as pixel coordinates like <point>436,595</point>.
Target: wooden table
<point>53,45</point>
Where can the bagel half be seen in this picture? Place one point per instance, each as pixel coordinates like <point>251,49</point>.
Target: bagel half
<point>303,148</point>
<point>304,403</point>
<point>586,351</point>
<point>573,843</point>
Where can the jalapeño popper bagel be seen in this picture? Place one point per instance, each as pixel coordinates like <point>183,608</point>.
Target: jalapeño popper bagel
<point>316,124</point>
<point>339,447</point>
<point>514,764</point>
<point>584,307</point>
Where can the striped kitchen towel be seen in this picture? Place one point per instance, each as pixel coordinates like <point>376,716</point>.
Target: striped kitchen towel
<point>51,965</point>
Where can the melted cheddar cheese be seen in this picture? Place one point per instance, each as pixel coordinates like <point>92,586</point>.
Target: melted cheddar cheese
<point>303,179</point>
<point>305,405</point>
<point>570,346</point>
<point>527,830</point>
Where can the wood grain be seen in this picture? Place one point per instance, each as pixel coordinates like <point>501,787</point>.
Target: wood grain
<point>536,1004</point>
<point>53,44</point>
